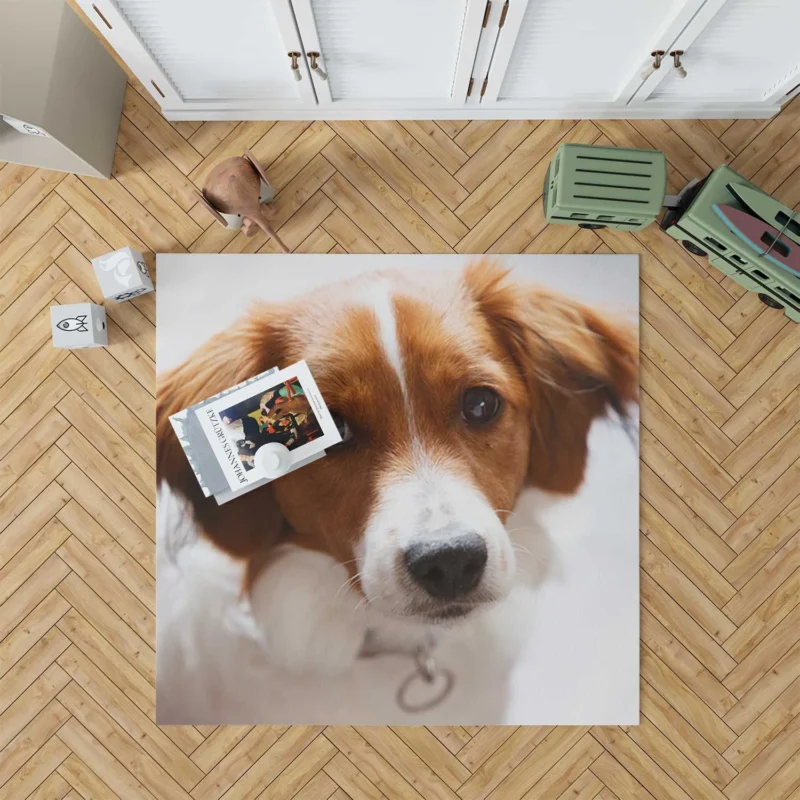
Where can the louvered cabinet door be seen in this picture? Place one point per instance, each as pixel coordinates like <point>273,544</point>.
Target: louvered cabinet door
<point>376,54</point>
<point>553,54</point>
<point>208,54</point>
<point>736,51</point>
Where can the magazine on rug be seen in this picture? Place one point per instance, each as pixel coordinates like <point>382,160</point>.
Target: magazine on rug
<point>222,434</point>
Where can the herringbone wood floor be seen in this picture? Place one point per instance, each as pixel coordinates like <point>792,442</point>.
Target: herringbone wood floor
<point>720,547</point>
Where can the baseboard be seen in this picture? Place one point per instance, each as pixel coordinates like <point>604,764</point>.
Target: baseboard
<point>651,111</point>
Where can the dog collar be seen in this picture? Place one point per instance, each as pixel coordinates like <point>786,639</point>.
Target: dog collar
<point>427,686</point>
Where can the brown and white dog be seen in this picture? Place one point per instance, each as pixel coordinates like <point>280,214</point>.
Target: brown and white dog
<point>453,391</point>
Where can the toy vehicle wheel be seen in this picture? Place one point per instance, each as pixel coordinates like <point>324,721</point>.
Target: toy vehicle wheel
<point>592,226</point>
<point>693,248</point>
<point>769,301</point>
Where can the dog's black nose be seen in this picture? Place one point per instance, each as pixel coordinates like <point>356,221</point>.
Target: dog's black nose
<point>448,568</point>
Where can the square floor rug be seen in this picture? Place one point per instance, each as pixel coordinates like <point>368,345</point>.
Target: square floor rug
<point>466,554</point>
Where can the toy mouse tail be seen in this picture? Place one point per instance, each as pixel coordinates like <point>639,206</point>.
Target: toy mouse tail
<point>268,229</point>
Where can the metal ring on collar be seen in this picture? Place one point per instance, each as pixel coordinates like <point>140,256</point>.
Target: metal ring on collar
<point>408,706</point>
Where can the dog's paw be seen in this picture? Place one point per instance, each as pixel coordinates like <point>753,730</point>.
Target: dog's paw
<point>307,614</point>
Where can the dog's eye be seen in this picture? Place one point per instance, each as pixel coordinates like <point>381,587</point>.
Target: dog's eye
<point>480,405</point>
<point>342,426</point>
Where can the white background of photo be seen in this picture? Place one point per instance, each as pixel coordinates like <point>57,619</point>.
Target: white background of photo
<point>562,649</point>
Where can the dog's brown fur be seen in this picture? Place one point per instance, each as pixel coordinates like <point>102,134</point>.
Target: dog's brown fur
<point>557,364</point>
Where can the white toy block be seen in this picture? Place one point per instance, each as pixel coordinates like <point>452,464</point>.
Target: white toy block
<point>79,325</point>
<point>122,274</point>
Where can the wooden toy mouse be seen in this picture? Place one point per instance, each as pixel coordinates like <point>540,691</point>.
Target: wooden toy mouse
<point>236,192</point>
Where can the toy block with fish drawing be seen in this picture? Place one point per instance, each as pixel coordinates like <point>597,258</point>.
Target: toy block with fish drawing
<point>78,325</point>
<point>122,275</point>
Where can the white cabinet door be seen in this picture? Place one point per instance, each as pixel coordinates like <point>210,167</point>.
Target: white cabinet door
<point>578,53</point>
<point>409,54</point>
<point>208,54</point>
<point>736,51</point>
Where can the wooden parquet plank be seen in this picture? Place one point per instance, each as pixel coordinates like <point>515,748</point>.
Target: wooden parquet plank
<point>682,555</point>
<point>153,161</point>
<point>84,202</point>
<point>347,777</point>
<point>30,630</point>
<point>769,614</point>
<point>147,119</point>
<point>627,752</point>
<point>385,200</point>
<point>688,745</point>
<point>28,233</point>
<point>493,152</point>
<point>110,716</point>
<point>138,652</point>
<point>109,771</point>
<point>683,411</point>
<point>32,192</point>
<point>97,396</point>
<point>720,469</point>
<point>437,143</point>
<point>684,448</point>
<point>31,593</point>
<point>153,198</point>
<point>618,781</point>
<point>37,769</point>
<point>682,690</point>
<point>32,719</point>
<point>30,267</point>
<point>12,176</point>
<point>426,168</point>
<point>226,772</point>
<point>476,133</point>
<point>435,755</point>
<point>675,583</point>
<point>369,761</point>
<point>209,135</point>
<point>377,157</point>
<point>109,661</point>
<point>767,508</point>
<point>84,782</point>
<point>301,769</point>
<point>506,175</point>
<point>124,567</point>
<point>502,763</point>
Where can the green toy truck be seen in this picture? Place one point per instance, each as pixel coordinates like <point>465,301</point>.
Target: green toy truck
<point>598,187</point>
<point>695,224</point>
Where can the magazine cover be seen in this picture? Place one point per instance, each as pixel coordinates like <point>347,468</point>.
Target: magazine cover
<point>221,434</point>
<point>285,407</point>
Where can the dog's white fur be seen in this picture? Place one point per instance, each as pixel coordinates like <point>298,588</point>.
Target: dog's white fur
<point>432,503</point>
<point>310,619</point>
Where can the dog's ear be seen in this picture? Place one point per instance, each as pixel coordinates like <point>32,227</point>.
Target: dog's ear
<point>576,362</point>
<point>253,520</point>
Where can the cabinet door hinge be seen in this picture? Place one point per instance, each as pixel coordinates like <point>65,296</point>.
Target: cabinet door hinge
<point>483,88</point>
<point>486,13</point>
<point>469,88</point>
<point>503,15</point>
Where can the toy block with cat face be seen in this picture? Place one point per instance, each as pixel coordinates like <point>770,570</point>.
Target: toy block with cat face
<point>78,325</point>
<point>122,275</point>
